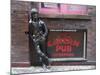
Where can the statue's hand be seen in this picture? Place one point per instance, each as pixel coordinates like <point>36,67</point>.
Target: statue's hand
<point>43,38</point>
<point>33,36</point>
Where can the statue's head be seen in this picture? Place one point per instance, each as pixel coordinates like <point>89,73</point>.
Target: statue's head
<point>34,14</point>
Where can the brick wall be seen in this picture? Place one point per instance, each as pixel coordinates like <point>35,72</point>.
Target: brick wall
<point>19,24</point>
<point>90,25</point>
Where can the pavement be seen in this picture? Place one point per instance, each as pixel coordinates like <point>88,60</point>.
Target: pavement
<point>32,70</point>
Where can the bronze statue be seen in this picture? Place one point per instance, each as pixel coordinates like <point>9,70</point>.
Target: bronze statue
<point>39,35</point>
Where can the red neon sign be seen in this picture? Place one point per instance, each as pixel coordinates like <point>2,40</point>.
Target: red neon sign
<point>65,44</point>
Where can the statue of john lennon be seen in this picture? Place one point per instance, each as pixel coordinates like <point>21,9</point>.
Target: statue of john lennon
<point>39,36</point>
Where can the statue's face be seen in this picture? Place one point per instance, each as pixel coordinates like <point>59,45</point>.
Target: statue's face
<point>35,15</point>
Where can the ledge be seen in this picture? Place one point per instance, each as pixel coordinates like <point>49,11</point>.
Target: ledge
<point>27,64</point>
<point>84,17</point>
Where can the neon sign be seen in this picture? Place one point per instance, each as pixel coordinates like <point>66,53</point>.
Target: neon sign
<point>67,44</point>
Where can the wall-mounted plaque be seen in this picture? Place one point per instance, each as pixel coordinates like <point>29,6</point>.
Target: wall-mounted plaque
<point>76,7</point>
<point>72,9</point>
<point>49,8</point>
<point>67,45</point>
<point>49,5</point>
